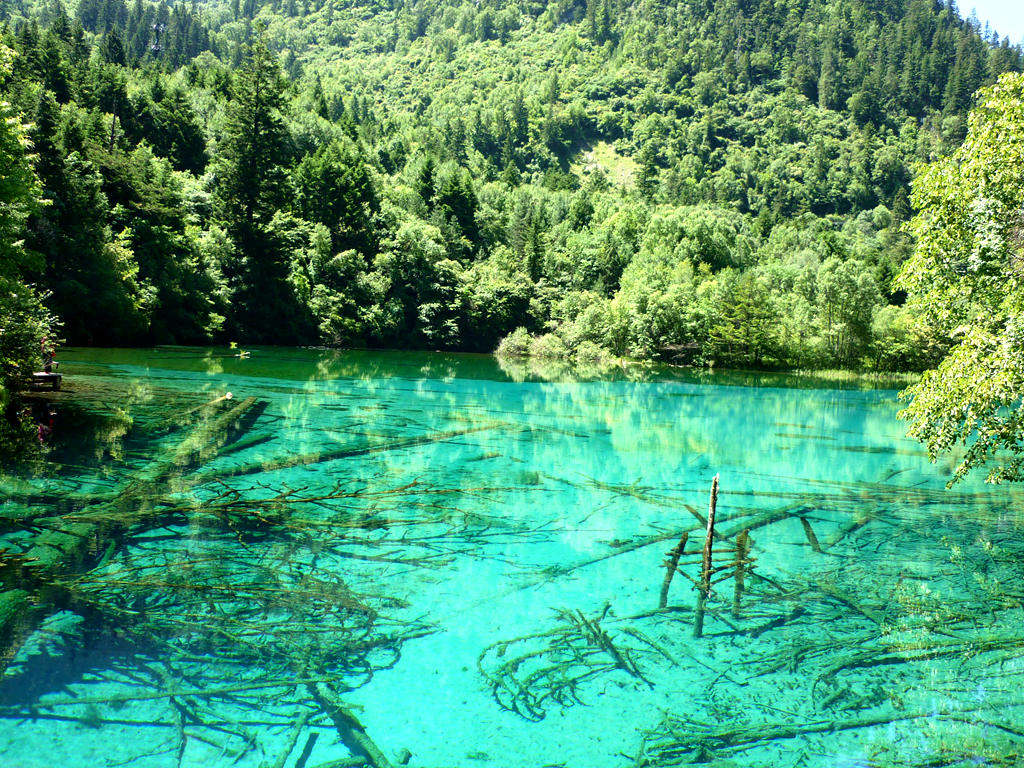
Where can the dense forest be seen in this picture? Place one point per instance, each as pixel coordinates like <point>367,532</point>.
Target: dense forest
<point>718,182</point>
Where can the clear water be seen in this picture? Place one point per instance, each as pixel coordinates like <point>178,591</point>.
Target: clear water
<point>468,560</point>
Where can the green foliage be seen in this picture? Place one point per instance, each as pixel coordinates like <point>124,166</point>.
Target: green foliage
<point>333,187</point>
<point>255,144</point>
<point>516,344</point>
<point>19,188</point>
<point>250,189</point>
<point>721,183</point>
<point>25,324</point>
<point>965,276</point>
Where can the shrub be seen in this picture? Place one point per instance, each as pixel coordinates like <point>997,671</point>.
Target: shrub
<point>548,346</point>
<point>516,344</point>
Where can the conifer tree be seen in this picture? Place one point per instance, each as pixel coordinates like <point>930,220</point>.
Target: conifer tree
<point>251,187</point>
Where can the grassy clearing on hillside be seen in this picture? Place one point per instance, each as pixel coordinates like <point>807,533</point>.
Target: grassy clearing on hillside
<point>619,169</point>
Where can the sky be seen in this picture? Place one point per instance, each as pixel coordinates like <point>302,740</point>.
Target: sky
<point>1005,16</point>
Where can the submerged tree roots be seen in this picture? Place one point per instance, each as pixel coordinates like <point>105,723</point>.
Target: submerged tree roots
<point>868,647</point>
<point>227,604</point>
<point>229,598</point>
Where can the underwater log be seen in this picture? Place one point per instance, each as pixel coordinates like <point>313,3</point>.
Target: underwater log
<point>70,546</point>
<point>292,740</point>
<point>681,746</point>
<point>705,572</point>
<point>671,565</point>
<point>760,521</point>
<point>809,533</point>
<point>862,518</point>
<point>742,555</point>
<point>350,730</point>
<point>319,457</point>
<point>830,589</point>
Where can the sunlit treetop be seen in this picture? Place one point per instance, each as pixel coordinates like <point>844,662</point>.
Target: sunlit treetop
<point>967,273</point>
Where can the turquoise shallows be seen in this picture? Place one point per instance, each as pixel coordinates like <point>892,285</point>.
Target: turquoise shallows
<point>463,559</point>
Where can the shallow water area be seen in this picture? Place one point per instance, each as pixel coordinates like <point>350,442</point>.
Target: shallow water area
<point>440,560</point>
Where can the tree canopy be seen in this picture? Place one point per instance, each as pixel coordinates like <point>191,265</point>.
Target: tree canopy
<point>721,183</point>
<point>967,274</point>
<point>24,323</point>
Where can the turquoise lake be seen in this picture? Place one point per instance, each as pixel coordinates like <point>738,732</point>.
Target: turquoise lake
<point>441,560</point>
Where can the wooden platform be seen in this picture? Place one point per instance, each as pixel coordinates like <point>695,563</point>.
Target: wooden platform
<point>43,380</point>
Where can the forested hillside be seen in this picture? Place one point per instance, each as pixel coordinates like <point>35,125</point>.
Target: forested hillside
<point>717,181</point>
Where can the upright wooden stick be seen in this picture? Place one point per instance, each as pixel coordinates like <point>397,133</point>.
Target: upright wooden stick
<point>705,571</point>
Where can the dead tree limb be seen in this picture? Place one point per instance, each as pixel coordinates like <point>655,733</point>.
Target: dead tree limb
<point>671,566</point>
<point>704,589</point>
<point>69,546</point>
<point>351,732</point>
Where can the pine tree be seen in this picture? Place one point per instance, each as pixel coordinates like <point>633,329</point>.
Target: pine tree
<point>519,120</point>
<point>251,188</point>
<point>255,145</point>
<point>320,100</point>
<point>333,187</point>
<point>55,76</point>
<point>829,88</point>
<point>113,48</point>
<point>647,177</point>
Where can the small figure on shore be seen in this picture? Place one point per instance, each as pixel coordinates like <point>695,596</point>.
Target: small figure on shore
<point>49,353</point>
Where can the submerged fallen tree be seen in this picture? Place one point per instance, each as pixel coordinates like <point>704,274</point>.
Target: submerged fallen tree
<point>71,545</point>
<point>216,606</point>
<point>843,647</point>
<point>681,741</point>
<point>346,452</point>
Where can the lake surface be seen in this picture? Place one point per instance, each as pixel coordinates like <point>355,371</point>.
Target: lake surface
<point>434,553</point>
